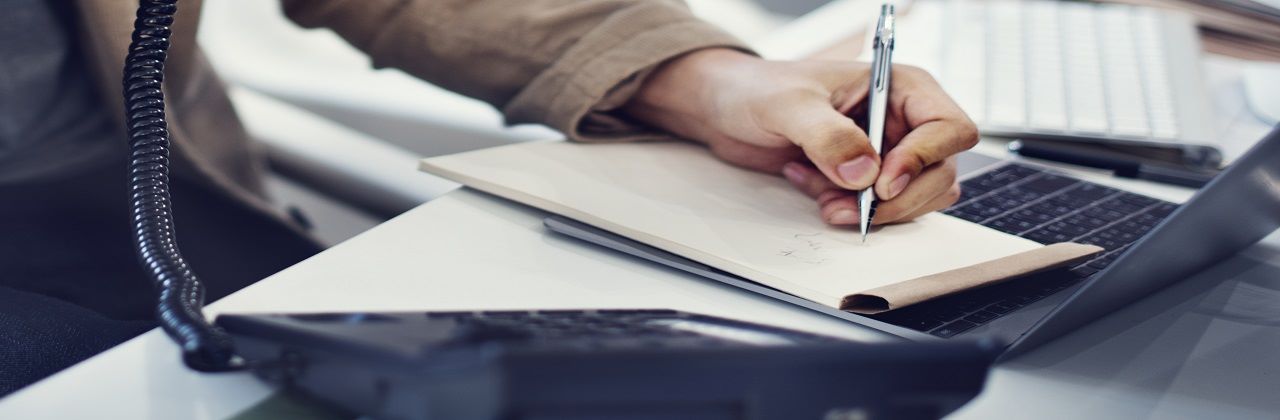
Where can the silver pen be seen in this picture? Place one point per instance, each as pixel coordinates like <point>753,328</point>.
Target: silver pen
<point>881,62</point>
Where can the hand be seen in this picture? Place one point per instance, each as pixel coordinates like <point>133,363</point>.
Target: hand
<point>791,118</point>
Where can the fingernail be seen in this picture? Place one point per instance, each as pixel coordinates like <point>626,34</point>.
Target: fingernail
<point>860,171</point>
<point>794,173</point>
<point>898,184</point>
<point>844,217</point>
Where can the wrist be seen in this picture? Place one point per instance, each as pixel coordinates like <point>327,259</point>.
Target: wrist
<point>681,92</point>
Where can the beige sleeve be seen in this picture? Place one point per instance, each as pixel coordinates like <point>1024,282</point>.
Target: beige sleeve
<point>563,63</point>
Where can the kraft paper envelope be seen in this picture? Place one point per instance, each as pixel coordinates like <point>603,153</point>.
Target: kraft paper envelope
<point>678,197</point>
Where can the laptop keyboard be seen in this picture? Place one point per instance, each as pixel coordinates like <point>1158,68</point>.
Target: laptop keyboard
<point>1045,207</point>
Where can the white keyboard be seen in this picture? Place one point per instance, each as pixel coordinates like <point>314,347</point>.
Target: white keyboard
<point>1062,69</point>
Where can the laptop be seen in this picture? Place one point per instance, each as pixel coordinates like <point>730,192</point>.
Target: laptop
<point>1150,244</point>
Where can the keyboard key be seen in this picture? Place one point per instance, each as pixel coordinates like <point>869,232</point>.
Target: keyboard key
<point>967,216</point>
<point>1019,193</point>
<point>1118,236</point>
<point>1048,183</point>
<point>1104,214</point>
<point>999,202</point>
<point>1031,215</point>
<point>1052,209</point>
<point>1108,244</point>
<point>1048,237</point>
<point>952,329</point>
<point>1067,229</point>
<point>1085,221</point>
<point>1011,225</point>
<point>978,209</point>
<point>1015,196</point>
<point>970,193</point>
<point>1132,227</point>
<point>1120,206</point>
<point>1071,200</point>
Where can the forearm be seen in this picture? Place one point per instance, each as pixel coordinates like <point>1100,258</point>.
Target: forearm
<point>555,62</point>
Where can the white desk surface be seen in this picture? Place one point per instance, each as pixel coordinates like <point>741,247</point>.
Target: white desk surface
<point>1192,351</point>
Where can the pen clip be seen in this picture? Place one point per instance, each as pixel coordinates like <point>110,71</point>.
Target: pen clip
<point>883,45</point>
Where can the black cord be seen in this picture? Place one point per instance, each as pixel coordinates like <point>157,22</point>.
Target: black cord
<point>180,294</point>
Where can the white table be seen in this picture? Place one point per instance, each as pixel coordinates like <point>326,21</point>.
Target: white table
<point>1193,351</point>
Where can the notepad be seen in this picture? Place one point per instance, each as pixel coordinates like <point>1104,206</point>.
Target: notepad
<point>677,197</point>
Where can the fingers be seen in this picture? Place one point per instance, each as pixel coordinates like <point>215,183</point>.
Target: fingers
<point>930,192</point>
<point>765,159</point>
<point>939,203</point>
<point>807,179</point>
<point>936,189</point>
<point>838,206</point>
<point>836,146</point>
<point>938,129</point>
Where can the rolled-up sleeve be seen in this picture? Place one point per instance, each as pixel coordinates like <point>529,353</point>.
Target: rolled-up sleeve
<point>563,63</point>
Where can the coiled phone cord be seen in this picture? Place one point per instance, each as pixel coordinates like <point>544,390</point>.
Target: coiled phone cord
<point>180,297</point>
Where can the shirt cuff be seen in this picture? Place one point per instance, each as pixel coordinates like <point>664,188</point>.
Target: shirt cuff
<point>602,71</point>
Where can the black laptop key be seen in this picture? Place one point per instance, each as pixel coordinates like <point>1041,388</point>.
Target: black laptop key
<point>1104,214</point>
<point>1031,215</point>
<point>1046,236</point>
<point>996,201</point>
<point>1108,244</point>
<point>1067,229</point>
<point>1117,235</point>
<point>1048,183</point>
<point>1120,206</point>
<point>979,210</point>
<point>1022,193</point>
<point>966,216</point>
<point>1133,227</point>
<point>952,329</point>
<point>968,193</point>
<point>1069,200</point>
<point>1052,209</point>
<point>1085,221</point>
<point>1011,225</point>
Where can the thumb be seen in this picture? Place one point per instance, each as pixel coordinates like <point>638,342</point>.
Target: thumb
<point>831,140</point>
